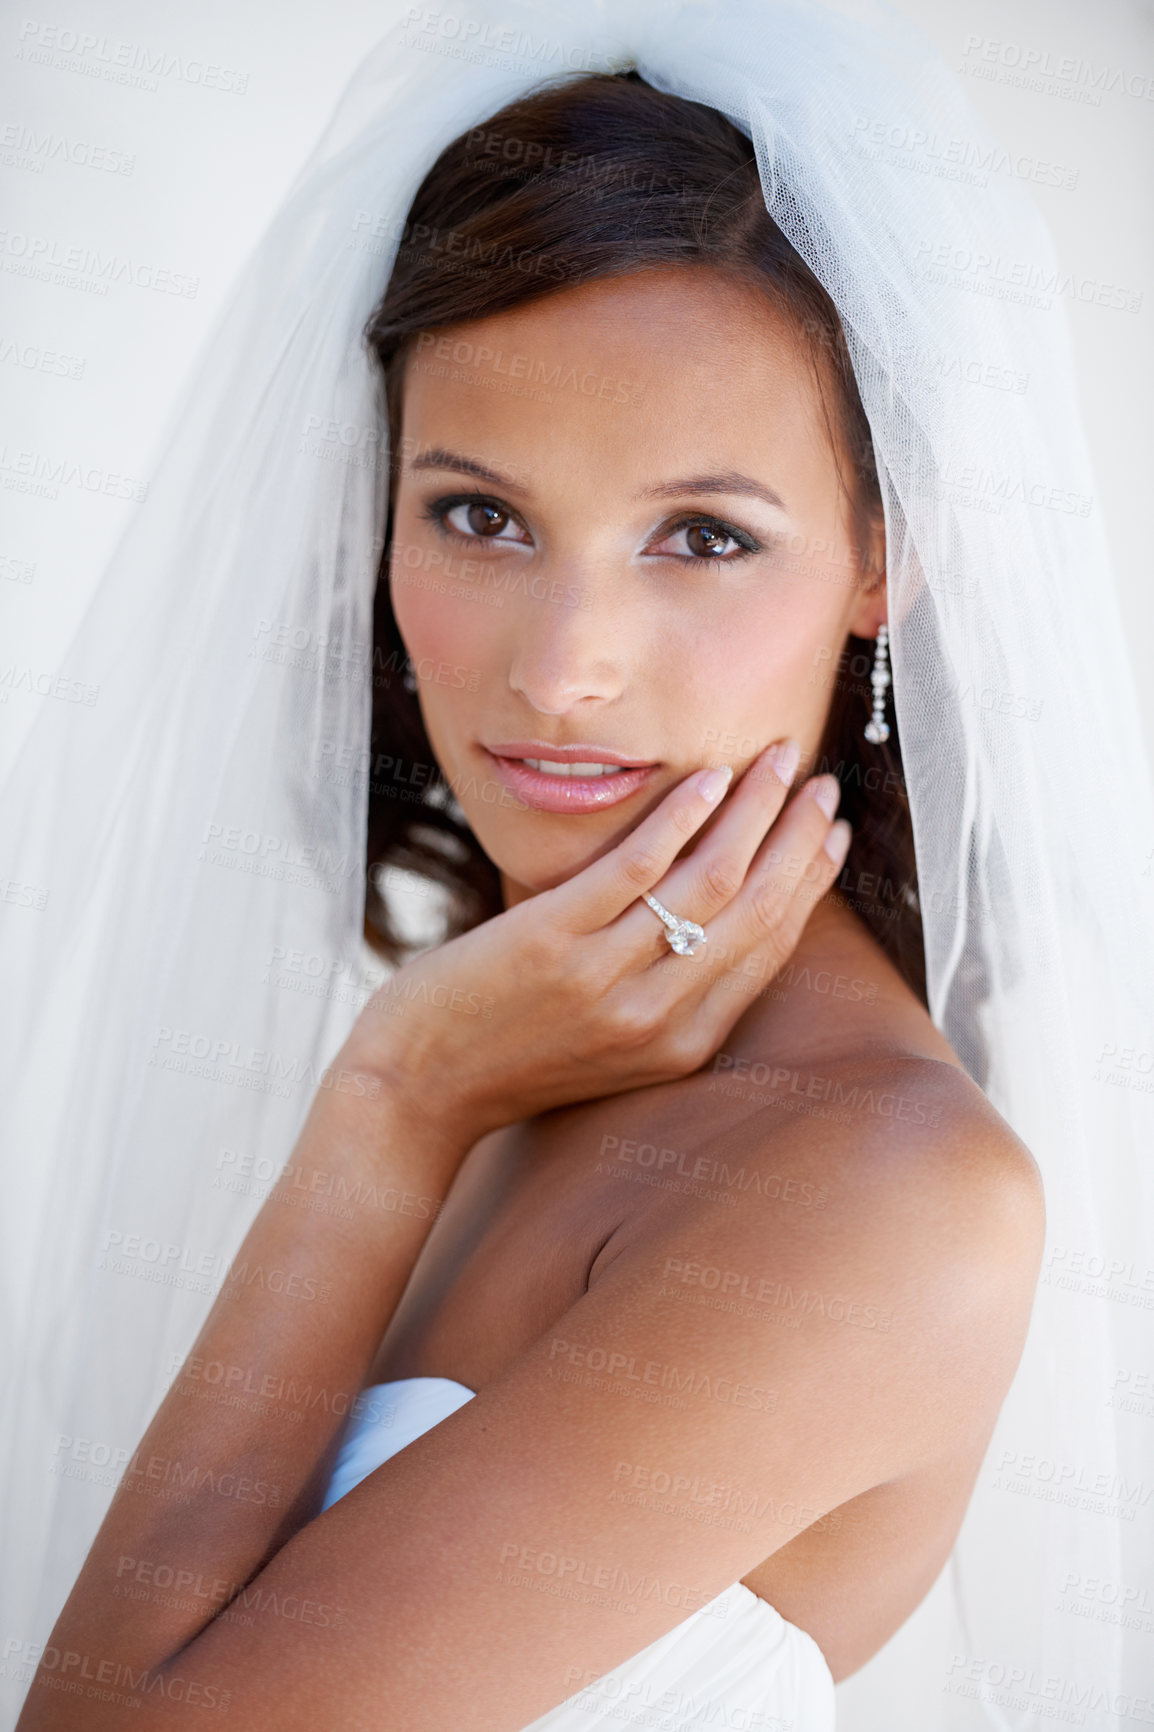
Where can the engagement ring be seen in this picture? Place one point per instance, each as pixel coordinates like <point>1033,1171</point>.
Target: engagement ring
<point>684,936</point>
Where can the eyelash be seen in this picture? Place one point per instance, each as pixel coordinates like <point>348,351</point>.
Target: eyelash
<point>437,511</point>
<point>746,543</point>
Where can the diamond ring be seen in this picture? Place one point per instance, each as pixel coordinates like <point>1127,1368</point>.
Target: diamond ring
<point>684,936</point>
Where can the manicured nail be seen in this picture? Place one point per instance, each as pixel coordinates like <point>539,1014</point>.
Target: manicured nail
<point>827,793</point>
<point>785,756</point>
<point>711,784</point>
<point>837,842</point>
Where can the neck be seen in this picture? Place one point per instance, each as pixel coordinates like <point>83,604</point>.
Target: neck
<point>512,892</point>
<point>837,991</point>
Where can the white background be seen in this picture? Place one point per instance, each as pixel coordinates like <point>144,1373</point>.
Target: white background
<point>209,165</point>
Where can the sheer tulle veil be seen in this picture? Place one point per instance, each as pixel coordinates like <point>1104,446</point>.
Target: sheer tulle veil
<point>161,1045</point>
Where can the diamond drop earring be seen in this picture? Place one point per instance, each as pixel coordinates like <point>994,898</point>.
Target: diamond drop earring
<point>877,728</point>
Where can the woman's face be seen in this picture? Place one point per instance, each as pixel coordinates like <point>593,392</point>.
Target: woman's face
<point>621,552</point>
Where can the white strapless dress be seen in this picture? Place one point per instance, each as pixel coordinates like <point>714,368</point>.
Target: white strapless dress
<point>734,1664</point>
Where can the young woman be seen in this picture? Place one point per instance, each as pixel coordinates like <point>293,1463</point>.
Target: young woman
<point>872,1228</point>
<point>626,1333</point>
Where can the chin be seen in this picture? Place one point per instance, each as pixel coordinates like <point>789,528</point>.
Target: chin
<point>550,851</point>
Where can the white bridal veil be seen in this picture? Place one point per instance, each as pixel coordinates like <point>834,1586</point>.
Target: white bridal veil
<point>199,828</point>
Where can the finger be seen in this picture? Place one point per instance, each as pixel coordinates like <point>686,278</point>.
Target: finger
<point>594,897</point>
<point>784,871</point>
<point>706,998</point>
<point>746,978</point>
<point>792,873</point>
<point>706,879</point>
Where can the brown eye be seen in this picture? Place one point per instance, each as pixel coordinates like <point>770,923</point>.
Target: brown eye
<point>481,519</point>
<point>704,541</point>
<point>485,519</point>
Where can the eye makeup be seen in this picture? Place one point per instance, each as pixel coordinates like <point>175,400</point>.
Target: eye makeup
<point>714,526</point>
<point>437,512</point>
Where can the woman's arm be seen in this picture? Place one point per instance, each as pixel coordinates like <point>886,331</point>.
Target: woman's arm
<point>238,1455</point>
<point>234,1464</point>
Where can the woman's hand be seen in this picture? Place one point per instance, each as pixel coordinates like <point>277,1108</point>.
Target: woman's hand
<point>575,992</point>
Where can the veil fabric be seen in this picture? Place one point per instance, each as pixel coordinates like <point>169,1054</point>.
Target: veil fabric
<point>198,832</point>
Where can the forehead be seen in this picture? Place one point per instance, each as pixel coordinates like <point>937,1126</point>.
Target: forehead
<point>661,365</point>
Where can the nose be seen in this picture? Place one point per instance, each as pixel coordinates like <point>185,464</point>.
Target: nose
<point>570,648</point>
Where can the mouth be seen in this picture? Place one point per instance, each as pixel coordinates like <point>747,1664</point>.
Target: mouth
<point>568,778</point>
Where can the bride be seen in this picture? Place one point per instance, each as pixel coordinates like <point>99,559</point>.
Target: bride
<point>626,1333</point>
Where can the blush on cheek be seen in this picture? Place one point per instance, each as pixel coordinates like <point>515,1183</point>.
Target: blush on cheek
<point>739,665</point>
<point>440,628</point>
<point>744,688</point>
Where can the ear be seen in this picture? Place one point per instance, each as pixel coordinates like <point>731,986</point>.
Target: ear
<point>869,610</point>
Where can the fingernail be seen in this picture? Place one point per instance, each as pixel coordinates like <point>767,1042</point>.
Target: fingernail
<point>827,794</point>
<point>711,784</point>
<point>837,842</point>
<point>785,756</point>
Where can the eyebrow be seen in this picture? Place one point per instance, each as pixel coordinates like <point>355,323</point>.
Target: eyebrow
<point>438,458</point>
<point>722,481</point>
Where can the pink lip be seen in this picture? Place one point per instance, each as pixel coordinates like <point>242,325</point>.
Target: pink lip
<point>567,793</point>
<point>580,754</point>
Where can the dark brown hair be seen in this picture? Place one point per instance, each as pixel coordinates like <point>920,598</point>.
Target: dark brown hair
<point>599,177</point>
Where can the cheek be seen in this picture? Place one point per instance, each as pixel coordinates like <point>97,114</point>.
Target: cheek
<point>755,665</point>
<point>445,622</point>
<point>452,646</point>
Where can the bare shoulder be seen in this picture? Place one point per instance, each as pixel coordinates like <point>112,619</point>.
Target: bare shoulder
<point>915,1164</point>
<point>881,1211</point>
<point>922,1130</point>
<point>875,1128</point>
<point>914,1124</point>
<point>865,1096</point>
